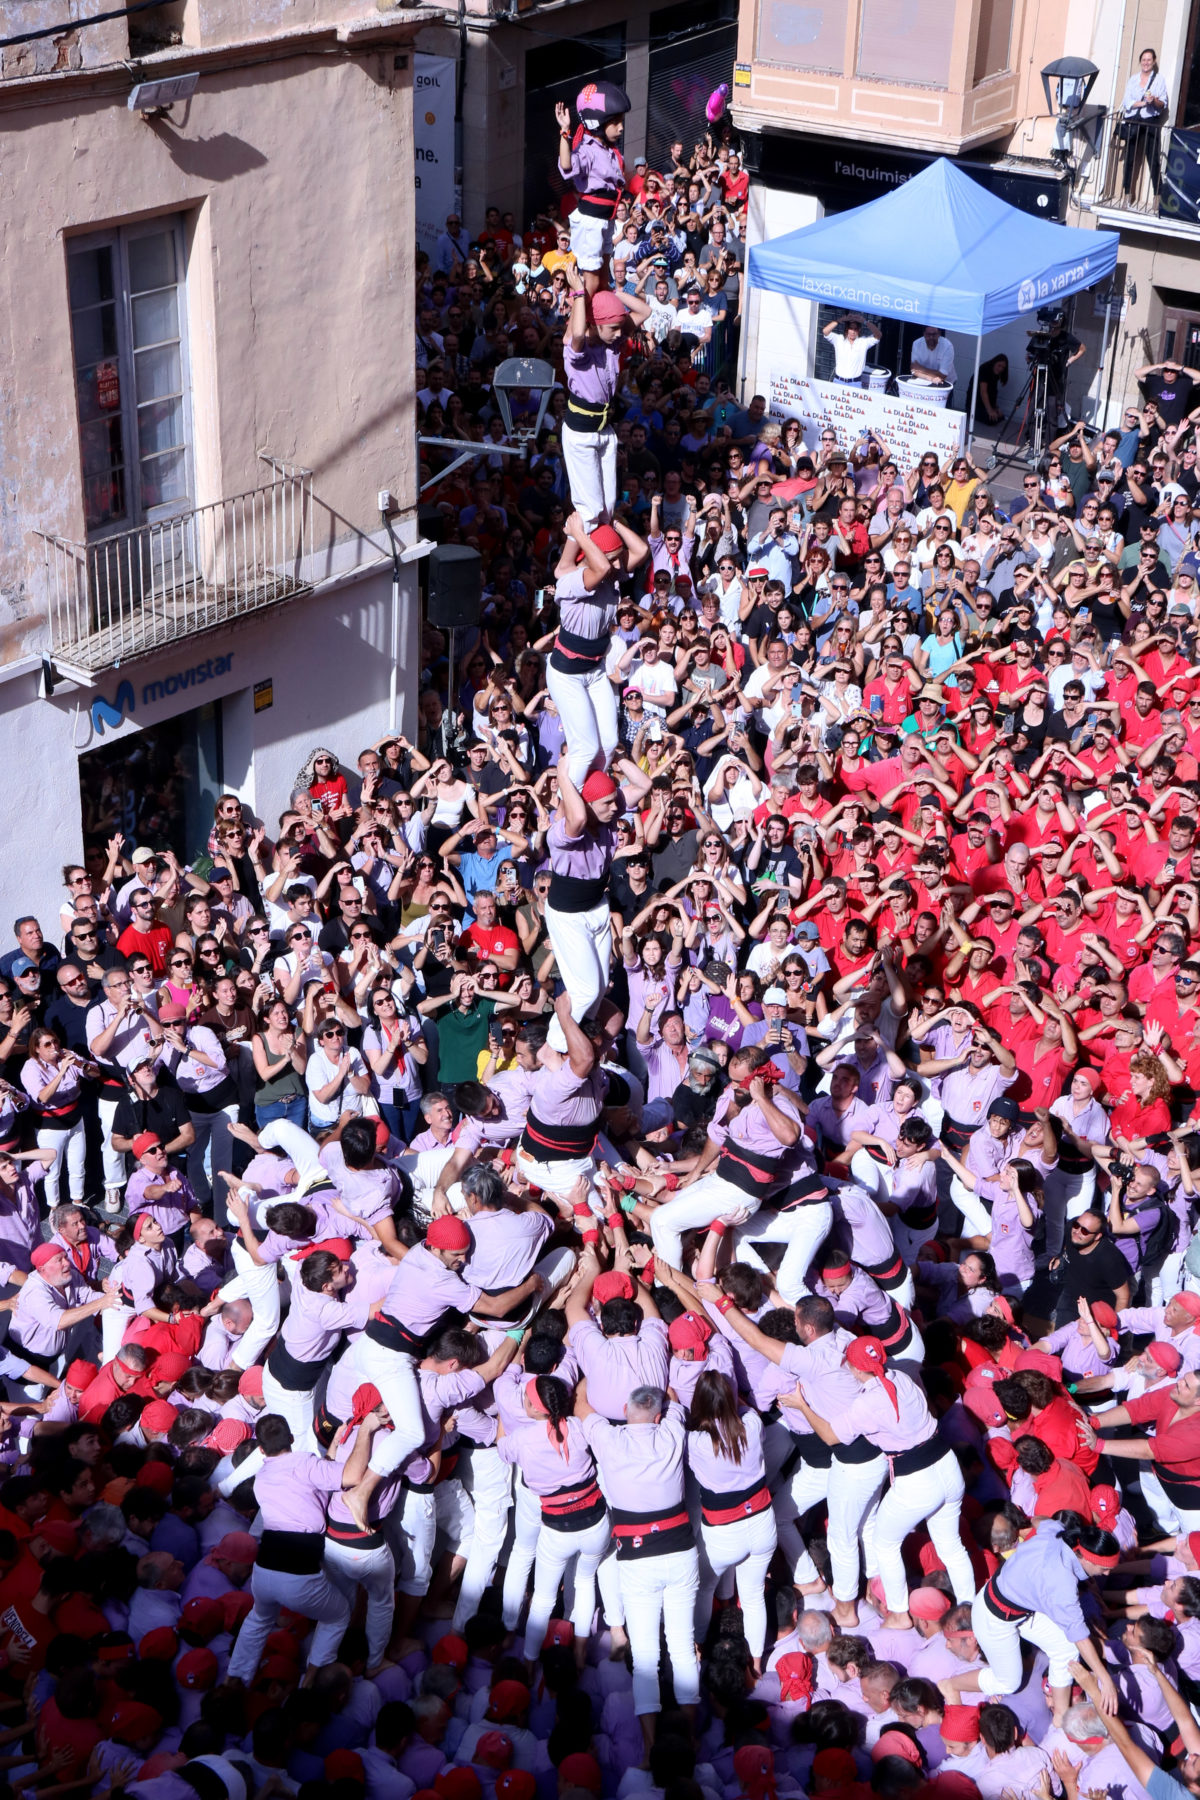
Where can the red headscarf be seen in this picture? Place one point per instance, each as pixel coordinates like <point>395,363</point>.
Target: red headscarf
<point>868,1356</point>
<point>534,1400</point>
<point>690,1332</point>
<point>768,1072</point>
<point>342,1248</point>
<point>795,1672</point>
<point>366,1398</point>
<point>754,1766</point>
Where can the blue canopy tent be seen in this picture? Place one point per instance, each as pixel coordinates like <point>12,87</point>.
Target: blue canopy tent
<point>940,250</point>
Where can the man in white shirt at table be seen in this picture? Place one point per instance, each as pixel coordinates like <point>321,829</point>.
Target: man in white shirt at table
<point>933,358</point>
<point>850,348</point>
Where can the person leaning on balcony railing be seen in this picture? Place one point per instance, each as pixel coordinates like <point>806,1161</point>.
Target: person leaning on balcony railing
<point>1144,105</point>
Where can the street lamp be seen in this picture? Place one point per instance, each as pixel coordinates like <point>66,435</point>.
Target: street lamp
<point>527,375</point>
<point>1067,82</point>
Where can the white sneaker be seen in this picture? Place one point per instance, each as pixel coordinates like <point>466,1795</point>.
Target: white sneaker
<point>113,1200</point>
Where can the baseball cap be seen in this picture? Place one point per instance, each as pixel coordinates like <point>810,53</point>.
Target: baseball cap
<point>22,964</point>
<point>775,996</point>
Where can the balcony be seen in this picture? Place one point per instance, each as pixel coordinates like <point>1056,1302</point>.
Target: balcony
<point>1145,172</point>
<point>127,595</point>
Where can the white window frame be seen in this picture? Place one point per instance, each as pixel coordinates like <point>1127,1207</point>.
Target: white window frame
<point>118,239</point>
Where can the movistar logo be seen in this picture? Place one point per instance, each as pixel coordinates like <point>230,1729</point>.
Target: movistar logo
<point>112,713</point>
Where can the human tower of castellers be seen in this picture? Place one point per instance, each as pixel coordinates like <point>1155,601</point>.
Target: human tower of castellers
<point>848,1443</point>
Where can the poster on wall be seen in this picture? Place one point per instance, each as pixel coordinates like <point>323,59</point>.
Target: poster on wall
<point>908,428</point>
<point>433,145</point>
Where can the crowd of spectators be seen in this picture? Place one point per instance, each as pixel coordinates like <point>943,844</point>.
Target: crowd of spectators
<point>916,873</point>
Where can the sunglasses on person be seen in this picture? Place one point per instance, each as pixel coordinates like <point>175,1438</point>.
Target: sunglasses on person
<point>298,937</point>
<point>1084,1231</point>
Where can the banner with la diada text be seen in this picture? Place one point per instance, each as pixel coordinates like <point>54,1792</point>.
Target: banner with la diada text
<point>908,428</point>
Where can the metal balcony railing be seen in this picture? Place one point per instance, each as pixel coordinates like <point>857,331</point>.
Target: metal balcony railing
<point>1149,169</point>
<point>125,595</point>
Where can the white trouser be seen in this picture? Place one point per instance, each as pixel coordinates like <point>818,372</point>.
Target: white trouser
<point>930,1495</point>
<point>792,1497</point>
<point>114,1323</point>
<point>976,1217</point>
<point>591,459</point>
<point>1173,1518</point>
<point>803,1230</point>
<point>424,1170</point>
<point>1170,1279</point>
<point>747,1546</point>
<point>418,1521</point>
<point>297,1145</point>
<point>113,1160</point>
<point>260,1286</point>
<point>660,1591</point>
<point>70,1148</point>
<point>489,1483</point>
<point>699,1204</point>
<point>211,1129</point>
<point>854,1489</point>
<point>591,240</point>
<point>612,1599</point>
<point>312,1596</point>
<point>375,1572</point>
<point>1000,1645</point>
<point>1066,1196</point>
<point>557,1552</point>
<point>527,1527</point>
<point>395,1375</point>
<point>587,706</point>
<point>297,1407</point>
<point>559,1177</point>
<point>582,943</point>
<point>909,1242</point>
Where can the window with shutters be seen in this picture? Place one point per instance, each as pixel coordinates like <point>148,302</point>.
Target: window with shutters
<point>909,42</point>
<point>797,34</point>
<point>993,45</point>
<point>127,300</point>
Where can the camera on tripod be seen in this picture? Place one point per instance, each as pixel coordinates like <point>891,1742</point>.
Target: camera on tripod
<point>1041,344</point>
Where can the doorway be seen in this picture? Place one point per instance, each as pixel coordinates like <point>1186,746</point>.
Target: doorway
<point>158,786</point>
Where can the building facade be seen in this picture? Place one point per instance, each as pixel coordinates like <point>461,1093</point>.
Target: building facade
<point>514,59</point>
<point>204,396</point>
<point>840,101</point>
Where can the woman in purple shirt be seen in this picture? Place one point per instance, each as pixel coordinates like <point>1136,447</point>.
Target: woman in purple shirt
<point>1015,1199</point>
<point>146,1259</point>
<point>725,1457</point>
<point>557,1466</point>
<point>52,1078</point>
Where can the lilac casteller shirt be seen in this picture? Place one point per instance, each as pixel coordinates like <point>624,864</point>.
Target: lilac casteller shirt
<point>545,1465</point>
<point>595,167</point>
<point>293,1491</point>
<point>584,615</point>
<point>592,372</point>
<point>586,857</point>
